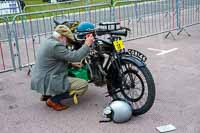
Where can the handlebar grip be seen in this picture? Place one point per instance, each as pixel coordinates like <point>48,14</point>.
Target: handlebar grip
<point>119,33</point>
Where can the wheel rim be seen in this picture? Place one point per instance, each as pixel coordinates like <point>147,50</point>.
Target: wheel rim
<point>129,88</point>
<point>138,100</point>
<point>145,99</point>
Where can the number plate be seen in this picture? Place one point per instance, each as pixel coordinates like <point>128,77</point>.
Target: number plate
<point>137,54</point>
<point>119,45</point>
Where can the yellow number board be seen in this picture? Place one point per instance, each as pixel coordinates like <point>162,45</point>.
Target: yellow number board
<point>119,45</point>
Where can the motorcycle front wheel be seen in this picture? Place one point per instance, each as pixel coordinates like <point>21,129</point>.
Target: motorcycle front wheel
<point>135,85</point>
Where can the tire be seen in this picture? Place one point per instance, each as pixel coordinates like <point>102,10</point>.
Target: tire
<point>145,78</point>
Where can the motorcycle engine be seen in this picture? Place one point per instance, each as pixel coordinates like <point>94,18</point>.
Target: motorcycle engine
<point>98,77</point>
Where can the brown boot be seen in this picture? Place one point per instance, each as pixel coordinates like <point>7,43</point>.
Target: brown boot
<point>45,97</point>
<point>56,106</point>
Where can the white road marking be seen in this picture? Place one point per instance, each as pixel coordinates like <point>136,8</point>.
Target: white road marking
<point>153,49</point>
<point>162,52</point>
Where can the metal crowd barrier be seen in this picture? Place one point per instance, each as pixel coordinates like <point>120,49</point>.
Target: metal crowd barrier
<point>147,18</point>
<point>31,28</point>
<point>7,56</point>
<point>156,17</point>
<point>189,14</point>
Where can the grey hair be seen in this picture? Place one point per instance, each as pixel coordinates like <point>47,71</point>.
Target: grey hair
<point>56,34</point>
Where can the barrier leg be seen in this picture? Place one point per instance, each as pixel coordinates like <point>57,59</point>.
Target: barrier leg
<point>170,33</point>
<point>183,29</point>
<point>2,56</point>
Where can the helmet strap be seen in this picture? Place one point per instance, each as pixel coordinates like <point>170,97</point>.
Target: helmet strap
<point>104,121</point>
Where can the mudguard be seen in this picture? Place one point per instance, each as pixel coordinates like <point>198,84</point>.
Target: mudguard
<point>134,60</point>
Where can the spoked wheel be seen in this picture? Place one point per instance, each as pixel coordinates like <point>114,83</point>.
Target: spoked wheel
<point>132,86</point>
<point>137,87</point>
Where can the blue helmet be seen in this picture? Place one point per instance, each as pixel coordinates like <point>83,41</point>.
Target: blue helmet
<point>85,26</point>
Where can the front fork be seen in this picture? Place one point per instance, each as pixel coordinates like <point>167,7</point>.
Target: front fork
<point>118,63</point>
<point>117,74</point>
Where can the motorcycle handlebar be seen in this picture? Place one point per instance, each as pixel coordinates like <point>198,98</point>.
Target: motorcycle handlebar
<point>81,36</point>
<point>119,32</point>
<point>100,32</point>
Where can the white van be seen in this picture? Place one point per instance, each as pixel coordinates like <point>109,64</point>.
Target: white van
<point>10,7</point>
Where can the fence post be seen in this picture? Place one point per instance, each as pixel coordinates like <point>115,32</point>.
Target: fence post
<point>6,39</point>
<point>178,14</point>
<point>10,44</point>
<point>136,10</point>
<point>14,28</point>
<point>112,10</point>
<point>88,17</point>
<point>1,51</point>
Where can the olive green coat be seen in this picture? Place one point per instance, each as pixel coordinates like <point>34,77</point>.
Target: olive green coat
<point>49,74</point>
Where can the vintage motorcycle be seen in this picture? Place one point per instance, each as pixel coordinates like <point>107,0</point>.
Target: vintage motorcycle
<point>109,63</point>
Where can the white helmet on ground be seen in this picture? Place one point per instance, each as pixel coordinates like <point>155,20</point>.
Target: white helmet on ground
<point>119,111</point>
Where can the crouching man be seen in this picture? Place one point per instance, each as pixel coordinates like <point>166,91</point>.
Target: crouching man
<point>49,75</point>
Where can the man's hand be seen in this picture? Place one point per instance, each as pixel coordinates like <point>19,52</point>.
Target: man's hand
<point>77,64</point>
<point>89,40</point>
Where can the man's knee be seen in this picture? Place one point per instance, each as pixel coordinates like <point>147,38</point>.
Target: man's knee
<point>81,84</point>
<point>79,87</point>
<point>83,88</point>
<point>84,84</point>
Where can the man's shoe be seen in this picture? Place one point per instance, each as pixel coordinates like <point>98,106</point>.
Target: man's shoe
<point>45,97</point>
<point>55,106</point>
